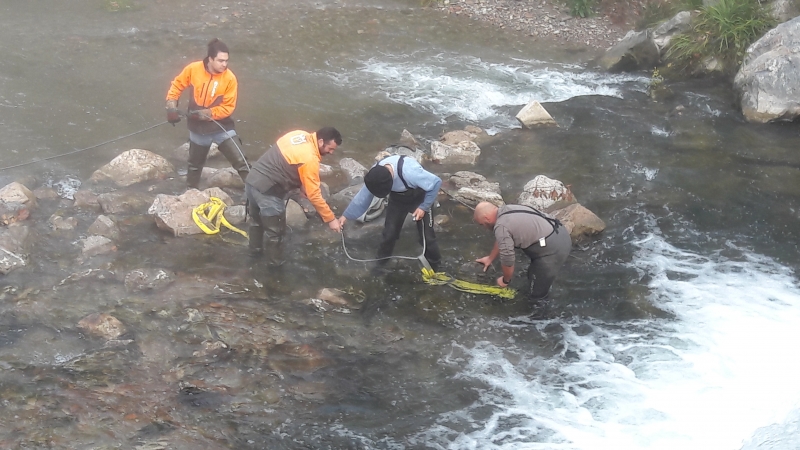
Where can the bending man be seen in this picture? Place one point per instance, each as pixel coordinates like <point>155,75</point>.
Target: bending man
<point>291,163</point>
<point>542,238</point>
<point>411,189</point>
<point>214,90</point>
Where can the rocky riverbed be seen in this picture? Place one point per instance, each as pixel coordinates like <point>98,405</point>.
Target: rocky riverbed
<point>541,20</point>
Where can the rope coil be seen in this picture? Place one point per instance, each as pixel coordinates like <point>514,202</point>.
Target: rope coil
<point>209,216</point>
<point>434,278</point>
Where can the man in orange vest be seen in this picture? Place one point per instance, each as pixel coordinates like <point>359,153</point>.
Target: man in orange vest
<point>291,163</point>
<point>213,98</point>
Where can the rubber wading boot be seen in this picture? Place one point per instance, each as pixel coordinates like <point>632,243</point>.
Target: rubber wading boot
<point>234,156</point>
<point>197,159</point>
<point>274,228</point>
<point>255,236</point>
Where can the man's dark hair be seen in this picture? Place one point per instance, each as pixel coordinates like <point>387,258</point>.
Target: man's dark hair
<point>216,46</point>
<point>329,133</point>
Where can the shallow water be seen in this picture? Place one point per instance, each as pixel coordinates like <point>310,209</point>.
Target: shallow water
<point>672,329</point>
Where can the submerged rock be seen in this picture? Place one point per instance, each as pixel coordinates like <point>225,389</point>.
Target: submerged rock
<point>102,325</point>
<point>134,166</point>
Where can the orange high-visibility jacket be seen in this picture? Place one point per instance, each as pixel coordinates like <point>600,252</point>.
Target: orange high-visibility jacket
<point>217,92</point>
<point>291,163</point>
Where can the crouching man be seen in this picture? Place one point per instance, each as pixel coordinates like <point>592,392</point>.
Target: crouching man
<point>542,238</point>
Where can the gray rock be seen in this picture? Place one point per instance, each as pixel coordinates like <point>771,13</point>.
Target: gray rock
<point>472,188</point>
<point>636,51</point>
<point>97,245</point>
<point>174,213</point>
<point>541,192</point>
<point>354,170</point>
<point>58,222</point>
<point>579,221</point>
<point>104,226</point>
<point>134,166</point>
<point>148,279</point>
<point>124,202</point>
<point>102,325</point>
<point>14,241</point>
<point>13,212</point>
<point>464,152</point>
<point>664,33</point>
<point>768,82</point>
<point>17,193</point>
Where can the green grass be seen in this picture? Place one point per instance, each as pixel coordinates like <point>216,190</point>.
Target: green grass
<point>581,8</point>
<point>724,31</point>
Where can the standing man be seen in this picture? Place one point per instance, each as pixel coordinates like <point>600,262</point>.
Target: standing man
<point>291,163</point>
<point>411,189</point>
<point>542,238</point>
<point>213,98</point>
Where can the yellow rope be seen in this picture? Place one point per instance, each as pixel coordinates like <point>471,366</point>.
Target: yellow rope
<point>209,216</point>
<point>441,278</point>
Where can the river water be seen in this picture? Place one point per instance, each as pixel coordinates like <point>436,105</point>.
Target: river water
<point>674,328</point>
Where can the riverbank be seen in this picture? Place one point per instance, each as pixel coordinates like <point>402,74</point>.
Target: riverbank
<point>543,21</point>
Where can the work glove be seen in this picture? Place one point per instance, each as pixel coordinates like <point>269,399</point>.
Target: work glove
<point>200,114</point>
<point>173,116</point>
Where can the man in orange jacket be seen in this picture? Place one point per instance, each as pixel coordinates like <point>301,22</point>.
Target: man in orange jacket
<point>213,98</point>
<point>291,163</point>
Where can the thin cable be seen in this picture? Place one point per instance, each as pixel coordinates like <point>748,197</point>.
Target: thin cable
<point>83,149</point>
<point>234,143</point>
<point>458,200</point>
<point>415,258</point>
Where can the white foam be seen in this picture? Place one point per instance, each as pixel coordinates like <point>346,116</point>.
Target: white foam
<point>723,368</point>
<point>475,90</point>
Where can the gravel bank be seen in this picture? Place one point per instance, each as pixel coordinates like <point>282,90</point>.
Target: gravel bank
<point>542,20</point>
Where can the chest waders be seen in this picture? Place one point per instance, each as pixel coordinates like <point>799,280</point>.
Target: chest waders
<point>400,205</point>
<point>547,256</point>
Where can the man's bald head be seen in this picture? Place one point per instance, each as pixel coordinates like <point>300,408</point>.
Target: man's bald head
<point>485,214</point>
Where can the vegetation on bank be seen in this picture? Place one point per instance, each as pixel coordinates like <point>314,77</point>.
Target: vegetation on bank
<point>720,32</point>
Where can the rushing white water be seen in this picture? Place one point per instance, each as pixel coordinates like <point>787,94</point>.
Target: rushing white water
<point>708,378</point>
<point>476,90</point>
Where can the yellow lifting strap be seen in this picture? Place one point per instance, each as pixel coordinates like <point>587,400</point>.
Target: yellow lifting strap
<point>441,278</point>
<point>209,216</point>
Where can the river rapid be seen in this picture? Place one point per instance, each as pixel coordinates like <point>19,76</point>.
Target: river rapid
<point>674,328</point>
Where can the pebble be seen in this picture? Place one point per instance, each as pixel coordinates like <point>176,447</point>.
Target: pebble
<point>547,19</point>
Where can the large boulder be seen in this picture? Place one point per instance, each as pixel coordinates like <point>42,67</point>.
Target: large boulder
<point>636,51</point>
<point>534,115</point>
<point>134,166</point>
<point>17,193</point>
<point>663,33</point>
<point>542,192</point>
<point>174,213</point>
<point>471,188</point>
<point>768,83</point>
<point>579,221</point>
<point>464,152</point>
